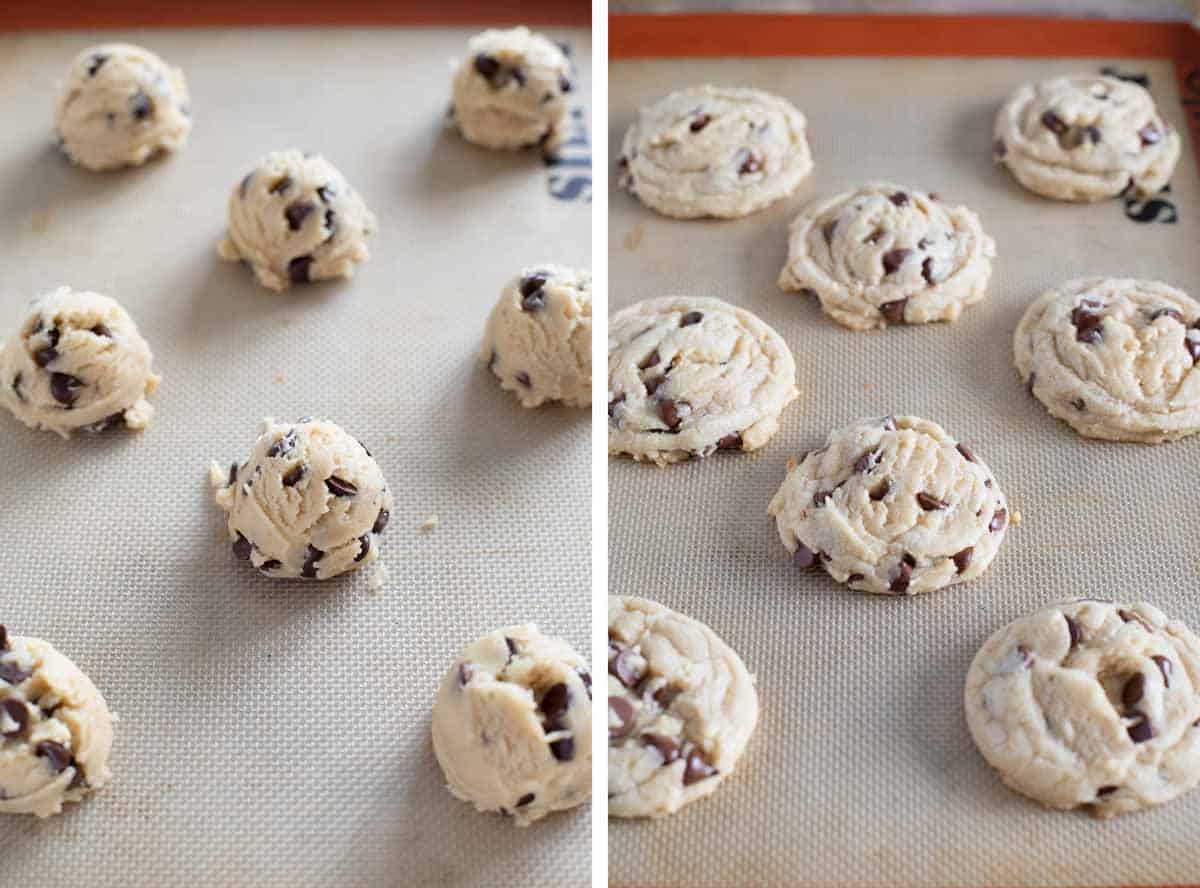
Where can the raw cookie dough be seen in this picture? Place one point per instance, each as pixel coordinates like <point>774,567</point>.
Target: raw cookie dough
<point>77,363</point>
<point>511,92</point>
<point>512,727</point>
<point>681,708</point>
<point>295,219</point>
<point>1090,704</point>
<point>886,254</point>
<point>120,106</point>
<point>310,501</point>
<point>538,339</point>
<point>55,729</point>
<point>1115,358</point>
<point>1087,137</point>
<point>893,506</point>
<point>715,151</point>
<point>688,376</point>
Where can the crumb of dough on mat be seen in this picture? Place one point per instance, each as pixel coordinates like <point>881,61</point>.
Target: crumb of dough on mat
<point>378,579</point>
<point>430,523</point>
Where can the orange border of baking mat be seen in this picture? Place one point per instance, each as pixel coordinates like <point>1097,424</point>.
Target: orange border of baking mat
<point>77,15</point>
<point>747,35</point>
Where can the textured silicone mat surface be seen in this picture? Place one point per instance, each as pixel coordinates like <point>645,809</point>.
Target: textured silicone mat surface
<point>862,770</point>
<point>277,734</point>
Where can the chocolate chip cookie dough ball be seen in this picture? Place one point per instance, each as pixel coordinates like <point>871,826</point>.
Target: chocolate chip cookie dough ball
<point>77,363</point>
<point>120,106</point>
<point>511,91</point>
<point>310,501</point>
<point>512,726</point>
<point>295,219</point>
<point>538,340</point>
<point>55,729</point>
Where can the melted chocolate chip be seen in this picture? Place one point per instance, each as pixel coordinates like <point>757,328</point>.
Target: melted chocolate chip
<point>749,163</point>
<point>555,703</point>
<point>281,185</point>
<point>667,748</point>
<point>533,297</point>
<point>270,564</point>
<point>668,411</point>
<point>309,569</point>
<point>13,675</point>
<point>487,65</point>
<point>999,519</point>
<point>381,521</point>
<point>699,122</point>
<point>665,695</point>
<point>625,719</point>
<point>340,487</point>
<point>1054,123</point>
<point>930,503</point>
<point>698,768</point>
<point>893,312</point>
<point>732,441</point>
<point>297,212</point>
<point>58,759</point>
<point>298,269</point>
<point>966,452</point>
<point>651,360</point>
<point>102,331</point>
<point>1134,690</point>
<point>627,667</point>
<point>899,198</point>
<point>65,388</point>
<point>294,475</point>
<point>962,559</point>
<point>1192,345</point>
<point>927,270</point>
<point>563,750</point>
<point>1150,134</point>
<point>882,489</point>
<point>1141,730</point>
<point>893,259</point>
<point>692,317</point>
<point>804,557</point>
<point>44,356</point>
<point>142,106</point>
<point>19,713</point>
<point>95,63</point>
<point>827,231</point>
<point>1074,631</point>
<point>903,577</point>
<point>1088,323</point>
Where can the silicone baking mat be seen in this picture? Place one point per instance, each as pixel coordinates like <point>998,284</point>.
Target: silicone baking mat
<point>862,771</point>
<point>275,733</point>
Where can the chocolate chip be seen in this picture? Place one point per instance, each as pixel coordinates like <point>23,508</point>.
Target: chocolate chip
<point>533,297</point>
<point>487,65</point>
<point>875,236</point>
<point>1026,656</point>
<point>732,441</point>
<point>827,231</point>
<point>513,650</point>
<point>95,63</point>
<point>270,564</point>
<point>804,557</point>
<point>281,185</point>
<point>522,378</point>
<point>526,799</point>
<point>697,769</point>
<point>101,330</point>
<point>999,148</point>
<point>1141,730</point>
<point>294,475</point>
<point>465,673</point>
<point>966,452</point>
<point>808,292</point>
<point>698,123</point>
<point>298,269</point>
<point>651,360</point>
<point>668,411</point>
<point>1164,666</point>
<point>242,547</point>
<point>143,107</point>
<point>564,83</point>
<point>555,702</point>
<point>899,198</point>
<point>903,577</point>
<point>65,388</point>
<point>13,675</point>
<point>309,570</point>
<point>364,547</point>
<point>381,521</point>
<point>1192,344</point>
<point>563,750</point>
<point>1092,134</point>
<point>893,312</point>
<point>962,559</point>
<point>19,713</point>
<point>1106,790</point>
<point>692,317</point>
<point>612,405</point>
<point>519,76</point>
<point>882,489</point>
<point>56,755</point>
<point>627,667</point>
<point>340,487</point>
<point>653,382</point>
<point>1150,134</point>
<point>1130,617</point>
<point>1088,323</point>
<point>16,387</point>
<point>1073,630</point>
<point>999,519</point>
<point>929,502</point>
<point>626,717</point>
<point>283,446</point>
<point>927,270</point>
<point>749,162</point>
<point>667,748</point>
<point>1167,313</point>
<point>54,336</point>
<point>893,259</point>
<point>665,695</point>
<point>1134,690</point>
<point>867,461</point>
<point>1054,123</point>
<point>297,212</point>
<point>854,578</point>
<point>44,356</point>
<point>3,638</point>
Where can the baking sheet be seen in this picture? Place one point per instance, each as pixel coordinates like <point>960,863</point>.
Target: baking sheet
<point>277,734</point>
<point>862,771</point>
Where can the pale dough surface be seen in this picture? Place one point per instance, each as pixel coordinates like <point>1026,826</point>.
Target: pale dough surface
<point>512,725</point>
<point>310,501</point>
<point>681,709</point>
<point>77,363</point>
<point>688,376</point>
<point>715,151</point>
<point>512,90</point>
<point>538,340</point>
<point>55,729</point>
<point>1115,358</point>
<point>1086,138</point>
<point>1090,704</point>
<point>295,219</point>
<point>121,105</point>
<point>887,254</point>
<point>893,506</point>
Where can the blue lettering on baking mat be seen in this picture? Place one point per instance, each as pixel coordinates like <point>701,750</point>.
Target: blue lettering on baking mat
<point>571,167</point>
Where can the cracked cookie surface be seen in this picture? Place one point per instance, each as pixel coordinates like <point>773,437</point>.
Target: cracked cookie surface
<point>715,151</point>
<point>1115,358</point>
<point>689,376</point>
<point>1085,138</point>
<point>1090,704</point>
<point>893,506</point>
<point>886,254</point>
<point>681,709</point>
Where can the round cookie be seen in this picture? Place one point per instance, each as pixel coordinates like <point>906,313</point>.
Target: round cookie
<point>120,106</point>
<point>295,219</point>
<point>1090,704</point>
<point>77,363</point>
<point>681,708</point>
<point>715,151</point>
<point>511,92</point>
<point>892,506</point>
<point>1115,358</point>
<point>310,501</point>
<point>55,729</point>
<point>688,376</point>
<point>512,726</point>
<point>538,340</point>
<point>885,254</point>
<point>1086,138</point>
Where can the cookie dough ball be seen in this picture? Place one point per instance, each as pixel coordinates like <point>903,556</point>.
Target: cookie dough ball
<point>681,709</point>
<point>715,151</point>
<point>295,219</point>
<point>310,501</point>
<point>1090,704</point>
<point>1114,358</point>
<point>689,376</point>
<point>77,363</point>
<point>511,91</point>
<point>512,726</point>
<point>55,729</point>
<point>1087,137</point>
<point>120,106</point>
<point>893,506</point>
<point>538,340</point>
<point>886,254</point>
